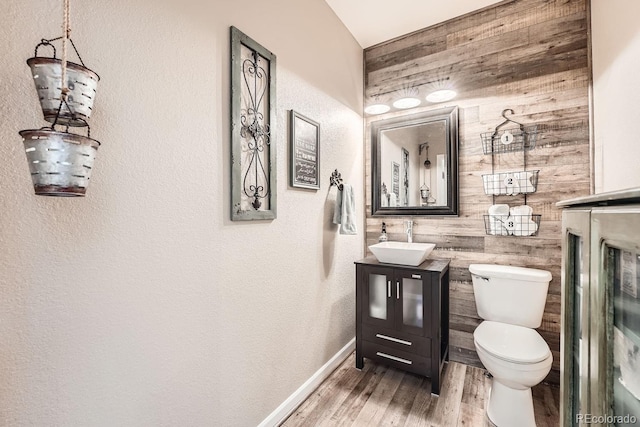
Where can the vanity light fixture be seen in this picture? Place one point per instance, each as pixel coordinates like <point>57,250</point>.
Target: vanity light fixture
<point>377,109</point>
<point>441,95</point>
<point>408,102</point>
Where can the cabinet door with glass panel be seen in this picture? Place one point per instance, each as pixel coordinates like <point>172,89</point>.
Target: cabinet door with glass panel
<point>600,338</point>
<point>377,296</point>
<point>575,385</point>
<point>410,302</point>
<point>615,314</point>
<point>395,299</point>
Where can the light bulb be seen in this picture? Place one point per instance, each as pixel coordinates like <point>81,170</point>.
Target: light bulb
<point>441,95</point>
<point>377,109</point>
<point>408,102</point>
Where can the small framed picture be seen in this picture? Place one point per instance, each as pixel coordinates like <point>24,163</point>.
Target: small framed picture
<point>305,151</point>
<point>395,179</point>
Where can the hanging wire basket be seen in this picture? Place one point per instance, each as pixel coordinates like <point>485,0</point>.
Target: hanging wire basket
<point>508,140</point>
<point>510,183</point>
<point>60,163</point>
<point>512,225</point>
<point>81,82</point>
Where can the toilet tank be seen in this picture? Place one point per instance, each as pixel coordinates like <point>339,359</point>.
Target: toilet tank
<point>514,295</point>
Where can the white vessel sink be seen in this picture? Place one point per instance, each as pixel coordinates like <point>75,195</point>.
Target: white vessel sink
<point>403,253</point>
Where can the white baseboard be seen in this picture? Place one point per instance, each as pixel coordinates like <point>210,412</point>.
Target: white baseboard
<point>300,395</point>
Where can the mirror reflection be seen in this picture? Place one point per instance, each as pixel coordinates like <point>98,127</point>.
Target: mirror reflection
<point>415,167</point>
<point>416,173</point>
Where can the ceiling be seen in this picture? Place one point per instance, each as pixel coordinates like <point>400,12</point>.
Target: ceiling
<point>375,21</point>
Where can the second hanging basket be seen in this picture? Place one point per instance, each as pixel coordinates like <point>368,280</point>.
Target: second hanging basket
<point>60,163</point>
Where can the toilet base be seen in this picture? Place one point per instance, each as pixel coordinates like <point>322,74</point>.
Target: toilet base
<point>510,407</point>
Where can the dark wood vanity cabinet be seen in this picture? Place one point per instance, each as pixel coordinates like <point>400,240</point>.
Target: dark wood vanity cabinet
<point>402,316</point>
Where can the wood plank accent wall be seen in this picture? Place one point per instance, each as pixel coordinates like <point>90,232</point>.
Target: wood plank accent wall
<point>528,55</point>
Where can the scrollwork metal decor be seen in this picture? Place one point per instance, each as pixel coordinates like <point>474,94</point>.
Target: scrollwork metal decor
<point>253,158</point>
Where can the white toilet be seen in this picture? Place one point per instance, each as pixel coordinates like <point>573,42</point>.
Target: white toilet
<point>511,301</point>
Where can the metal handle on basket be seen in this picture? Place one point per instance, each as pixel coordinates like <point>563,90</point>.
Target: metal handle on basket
<point>53,127</point>
<point>45,42</point>
<point>73,115</point>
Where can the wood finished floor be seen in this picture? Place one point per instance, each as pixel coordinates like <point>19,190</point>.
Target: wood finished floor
<point>383,396</point>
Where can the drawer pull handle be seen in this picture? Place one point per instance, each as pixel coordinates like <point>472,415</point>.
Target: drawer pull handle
<point>397,359</point>
<point>385,337</point>
<point>416,276</point>
<point>389,289</point>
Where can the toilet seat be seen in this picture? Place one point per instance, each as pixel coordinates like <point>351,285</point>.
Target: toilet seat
<point>511,343</point>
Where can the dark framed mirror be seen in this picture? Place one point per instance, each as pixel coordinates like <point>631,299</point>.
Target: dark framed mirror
<point>414,164</point>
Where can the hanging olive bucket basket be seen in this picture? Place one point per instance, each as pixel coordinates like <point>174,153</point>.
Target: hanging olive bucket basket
<point>81,81</point>
<point>60,162</point>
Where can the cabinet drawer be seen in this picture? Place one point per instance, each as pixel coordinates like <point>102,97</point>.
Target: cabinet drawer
<point>398,340</point>
<point>397,358</point>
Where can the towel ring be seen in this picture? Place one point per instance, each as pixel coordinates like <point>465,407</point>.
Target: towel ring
<point>336,179</point>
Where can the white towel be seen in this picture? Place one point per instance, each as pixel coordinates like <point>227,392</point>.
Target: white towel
<point>498,216</point>
<point>525,178</point>
<point>502,189</point>
<point>510,225</point>
<point>491,184</point>
<point>384,200</point>
<point>337,210</point>
<point>499,210</point>
<point>511,184</point>
<point>393,200</point>
<point>524,225</point>
<point>521,213</point>
<point>497,225</point>
<point>348,214</point>
<point>525,228</point>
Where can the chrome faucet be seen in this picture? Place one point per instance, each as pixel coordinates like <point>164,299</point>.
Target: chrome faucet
<point>409,230</point>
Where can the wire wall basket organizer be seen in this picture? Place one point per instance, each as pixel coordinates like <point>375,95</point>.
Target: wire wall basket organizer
<point>510,183</point>
<point>499,141</point>
<point>512,225</point>
<point>81,83</point>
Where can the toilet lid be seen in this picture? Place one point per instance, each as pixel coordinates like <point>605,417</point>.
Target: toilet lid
<point>510,272</point>
<point>510,342</point>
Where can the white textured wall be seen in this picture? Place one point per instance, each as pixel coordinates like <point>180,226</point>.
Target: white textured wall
<point>616,86</point>
<point>143,304</point>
